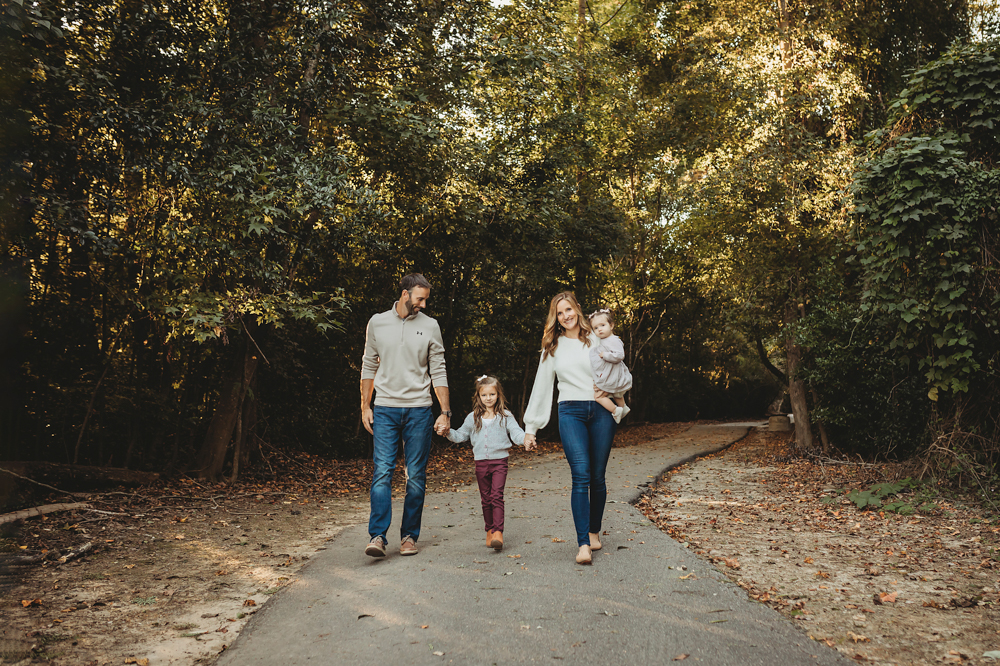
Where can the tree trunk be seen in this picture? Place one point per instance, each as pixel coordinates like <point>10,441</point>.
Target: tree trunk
<point>796,387</point>
<point>244,425</point>
<point>823,438</point>
<point>227,411</point>
<point>40,511</point>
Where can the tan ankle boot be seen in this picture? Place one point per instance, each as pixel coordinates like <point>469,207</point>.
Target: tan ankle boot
<point>497,542</point>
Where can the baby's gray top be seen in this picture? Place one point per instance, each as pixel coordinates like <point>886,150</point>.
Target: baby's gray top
<point>610,373</point>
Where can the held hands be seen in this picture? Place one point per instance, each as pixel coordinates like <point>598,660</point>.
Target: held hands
<point>529,443</point>
<point>443,425</point>
<point>598,393</point>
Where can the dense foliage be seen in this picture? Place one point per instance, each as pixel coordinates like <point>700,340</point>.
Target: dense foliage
<point>204,203</point>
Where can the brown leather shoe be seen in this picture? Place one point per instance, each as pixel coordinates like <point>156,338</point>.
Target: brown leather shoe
<point>489,538</point>
<point>375,547</point>
<point>408,546</point>
<point>497,542</point>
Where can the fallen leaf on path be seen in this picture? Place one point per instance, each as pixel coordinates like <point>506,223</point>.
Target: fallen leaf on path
<point>884,598</point>
<point>558,540</point>
<point>249,602</point>
<point>857,638</point>
<point>438,653</point>
<point>732,562</point>
<point>424,626</point>
<point>29,603</point>
<point>681,657</point>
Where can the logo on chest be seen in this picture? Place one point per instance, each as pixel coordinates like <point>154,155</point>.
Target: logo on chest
<point>420,332</point>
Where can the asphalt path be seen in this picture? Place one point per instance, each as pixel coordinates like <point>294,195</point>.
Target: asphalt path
<point>646,598</point>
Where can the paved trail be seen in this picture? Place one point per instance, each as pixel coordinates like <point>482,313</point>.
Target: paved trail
<point>646,599</point>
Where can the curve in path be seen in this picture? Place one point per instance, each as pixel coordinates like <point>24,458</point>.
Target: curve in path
<point>646,599</point>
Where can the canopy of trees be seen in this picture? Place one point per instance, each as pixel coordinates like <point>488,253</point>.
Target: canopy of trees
<point>203,203</point>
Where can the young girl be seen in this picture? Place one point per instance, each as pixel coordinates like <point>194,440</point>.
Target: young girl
<point>491,427</point>
<point>610,374</point>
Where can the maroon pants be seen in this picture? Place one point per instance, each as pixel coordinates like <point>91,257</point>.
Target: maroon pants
<point>492,476</point>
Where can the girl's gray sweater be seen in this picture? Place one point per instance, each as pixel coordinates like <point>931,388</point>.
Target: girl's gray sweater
<point>492,441</point>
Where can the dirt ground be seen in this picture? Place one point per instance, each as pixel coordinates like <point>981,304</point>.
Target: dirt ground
<point>880,587</point>
<point>174,572</point>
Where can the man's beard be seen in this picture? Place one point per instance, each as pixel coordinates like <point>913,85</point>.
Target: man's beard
<point>412,308</point>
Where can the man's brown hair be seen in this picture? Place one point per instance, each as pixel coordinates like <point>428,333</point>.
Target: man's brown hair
<point>413,280</point>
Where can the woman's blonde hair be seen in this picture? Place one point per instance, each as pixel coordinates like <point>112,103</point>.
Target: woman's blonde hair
<point>550,337</point>
<point>479,409</point>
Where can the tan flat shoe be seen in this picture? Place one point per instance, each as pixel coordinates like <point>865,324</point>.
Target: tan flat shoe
<point>595,542</point>
<point>584,556</point>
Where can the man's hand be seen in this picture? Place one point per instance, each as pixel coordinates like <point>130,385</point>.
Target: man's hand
<point>367,418</point>
<point>443,425</point>
<point>367,415</point>
<point>529,443</point>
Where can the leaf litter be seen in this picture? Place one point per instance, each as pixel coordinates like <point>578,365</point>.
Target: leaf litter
<point>881,568</point>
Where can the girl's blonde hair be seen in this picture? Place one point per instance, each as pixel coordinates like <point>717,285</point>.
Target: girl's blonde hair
<point>550,337</point>
<point>479,409</point>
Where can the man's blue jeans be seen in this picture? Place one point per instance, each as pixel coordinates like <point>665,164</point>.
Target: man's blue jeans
<point>414,426</point>
<point>587,431</point>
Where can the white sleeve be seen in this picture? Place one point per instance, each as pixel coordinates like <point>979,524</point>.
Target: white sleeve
<point>536,416</point>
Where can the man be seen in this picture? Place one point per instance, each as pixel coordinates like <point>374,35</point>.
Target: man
<point>404,357</point>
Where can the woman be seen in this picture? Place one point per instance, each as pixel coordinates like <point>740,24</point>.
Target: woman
<point>586,429</point>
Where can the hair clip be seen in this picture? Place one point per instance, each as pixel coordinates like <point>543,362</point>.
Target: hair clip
<point>479,379</point>
<point>598,312</point>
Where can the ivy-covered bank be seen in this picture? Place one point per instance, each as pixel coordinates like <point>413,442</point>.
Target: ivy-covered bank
<point>920,336</point>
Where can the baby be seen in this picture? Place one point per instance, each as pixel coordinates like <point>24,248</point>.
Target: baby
<point>611,375</point>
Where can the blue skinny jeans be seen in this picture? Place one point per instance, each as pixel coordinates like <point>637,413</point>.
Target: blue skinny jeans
<point>587,431</point>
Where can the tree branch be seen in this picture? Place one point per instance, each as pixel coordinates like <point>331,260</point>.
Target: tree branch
<point>767,362</point>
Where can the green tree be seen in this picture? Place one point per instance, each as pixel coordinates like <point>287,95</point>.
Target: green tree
<point>926,215</point>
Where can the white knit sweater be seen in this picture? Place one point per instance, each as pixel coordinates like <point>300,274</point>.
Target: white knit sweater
<point>571,366</point>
